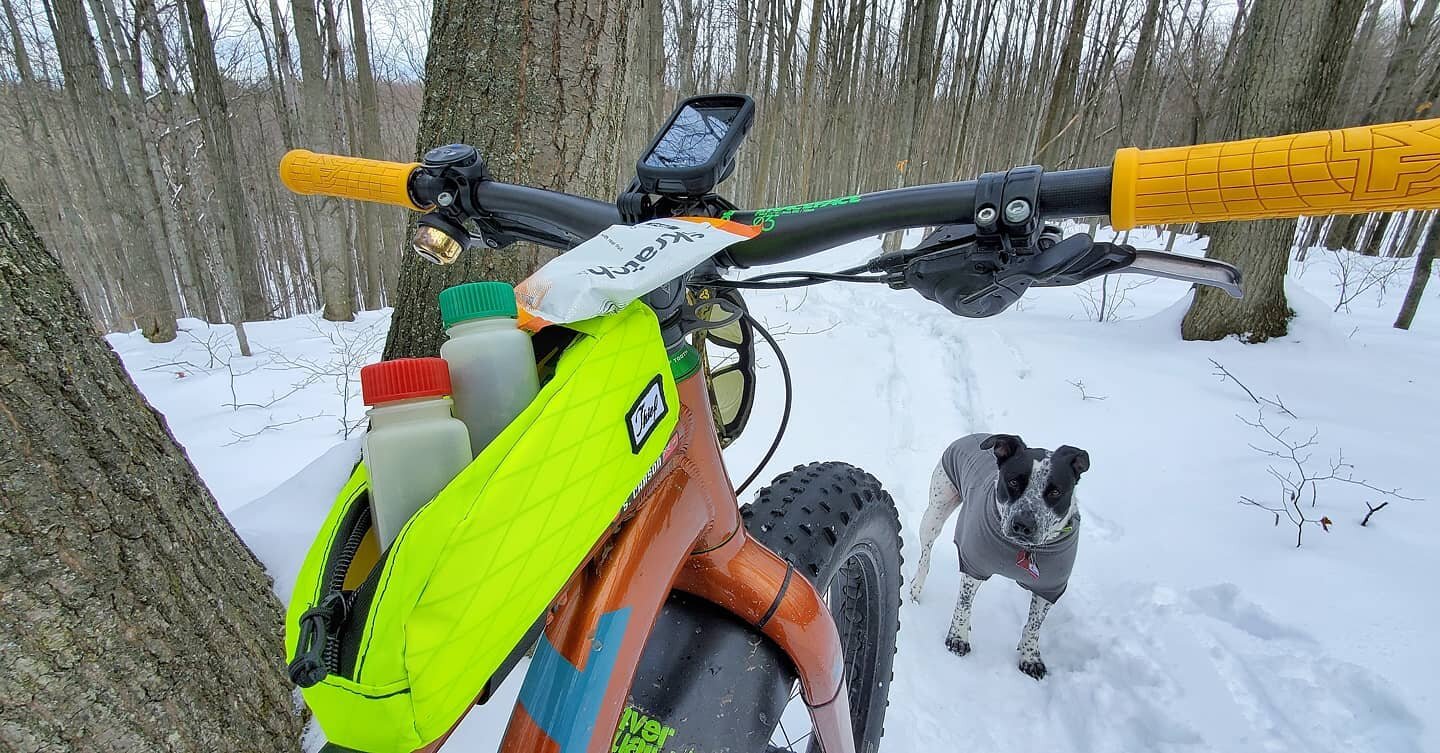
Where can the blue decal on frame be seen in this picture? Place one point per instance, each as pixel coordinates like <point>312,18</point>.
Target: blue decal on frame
<point>564,701</point>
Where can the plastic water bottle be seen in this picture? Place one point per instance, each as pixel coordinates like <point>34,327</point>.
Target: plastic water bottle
<point>414,446</point>
<point>492,363</point>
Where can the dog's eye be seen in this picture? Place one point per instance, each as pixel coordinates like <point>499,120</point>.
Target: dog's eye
<point>1052,493</point>
<point>1014,484</point>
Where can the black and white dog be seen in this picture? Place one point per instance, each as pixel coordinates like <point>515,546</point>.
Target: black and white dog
<point>1018,519</point>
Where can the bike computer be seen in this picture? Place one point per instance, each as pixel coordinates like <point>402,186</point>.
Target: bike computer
<point>695,150</point>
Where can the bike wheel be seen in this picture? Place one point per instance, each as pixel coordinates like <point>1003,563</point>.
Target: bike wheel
<point>839,528</point>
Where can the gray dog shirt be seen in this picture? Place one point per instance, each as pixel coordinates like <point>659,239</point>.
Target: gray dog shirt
<point>1043,570</point>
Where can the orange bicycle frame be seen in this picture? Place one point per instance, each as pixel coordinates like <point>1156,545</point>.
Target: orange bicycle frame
<point>683,533</point>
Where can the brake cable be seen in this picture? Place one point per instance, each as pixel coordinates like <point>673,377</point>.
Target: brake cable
<point>787,280</point>
<point>784,414</point>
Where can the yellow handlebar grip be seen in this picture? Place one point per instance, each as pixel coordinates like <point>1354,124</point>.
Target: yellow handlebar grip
<point>1389,167</point>
<point>306,172</point>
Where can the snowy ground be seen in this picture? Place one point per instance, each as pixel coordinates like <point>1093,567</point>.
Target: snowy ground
<point>1192,621</point>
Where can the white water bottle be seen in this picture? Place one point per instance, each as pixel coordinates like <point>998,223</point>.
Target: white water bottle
<point>492,363</point>
<point>414,446</point>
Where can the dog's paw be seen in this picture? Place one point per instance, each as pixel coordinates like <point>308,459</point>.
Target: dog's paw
<point>1034,668</point>
<point>957,646</point>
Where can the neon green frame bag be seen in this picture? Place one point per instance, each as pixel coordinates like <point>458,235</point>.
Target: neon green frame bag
<point>410,640</point>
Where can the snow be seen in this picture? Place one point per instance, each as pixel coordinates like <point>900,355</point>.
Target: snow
<point>1192,622</point>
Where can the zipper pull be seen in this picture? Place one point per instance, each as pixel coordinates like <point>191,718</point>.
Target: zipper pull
<point>308,667</point>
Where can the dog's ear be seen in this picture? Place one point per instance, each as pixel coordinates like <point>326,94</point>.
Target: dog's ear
<point>1078,459</point>
<point>1005,446</point>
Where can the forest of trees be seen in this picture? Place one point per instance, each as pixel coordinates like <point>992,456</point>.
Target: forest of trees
<point>139,141</point>
<point>142,136</point>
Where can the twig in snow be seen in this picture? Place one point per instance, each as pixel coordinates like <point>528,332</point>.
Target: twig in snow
<point>350,349</point>
<point>160,366</point>
<point>1373,509</point>
<point>1302,480</point>
<point>213,344</point>
<point>1105,305</point>
<point>1079,385</point>
<point>1277,403</point>
<point>789,329</point>
<point>241,437</point>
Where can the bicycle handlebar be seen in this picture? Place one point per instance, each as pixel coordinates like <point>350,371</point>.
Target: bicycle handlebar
<point>1388,167</point>
<point>306,172</point>
<point>797,231</point>
<point>1378,168</point>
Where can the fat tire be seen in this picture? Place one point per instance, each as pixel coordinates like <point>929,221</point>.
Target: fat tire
<point>819,517</point>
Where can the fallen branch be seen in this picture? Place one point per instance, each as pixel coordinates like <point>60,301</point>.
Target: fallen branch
<point>247,436</point>
<point>1276,402</point>
<point>1373,509</point>
<point>1079,385</point>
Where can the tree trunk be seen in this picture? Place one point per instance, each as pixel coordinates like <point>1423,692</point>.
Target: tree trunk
<point>234,226</point>
<point>1135,84</point>
<point>1272,94</point>
<point>1424,267</point>
<point>741,77</point>
<point>1392,100</point>
<point>133,618</point>
<point>330,216</point>
<point>1374,243</point>
<point>1062,91</point>
<point>241,289</point>
<point>372,217</point>
<point>541,119</point>
<point>93,103</point>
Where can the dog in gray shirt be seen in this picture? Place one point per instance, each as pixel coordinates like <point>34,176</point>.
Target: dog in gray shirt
<point>1018,519</point>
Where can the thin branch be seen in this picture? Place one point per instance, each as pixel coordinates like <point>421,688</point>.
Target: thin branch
<point>1079,385</point>
<point>241,437</point>
<point>1373,509</point>
<point>1276,403</point>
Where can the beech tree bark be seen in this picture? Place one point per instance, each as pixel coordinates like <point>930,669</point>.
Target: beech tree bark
<point>132,617</point>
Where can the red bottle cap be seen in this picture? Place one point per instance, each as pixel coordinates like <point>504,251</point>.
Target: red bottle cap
<point>403,379</point>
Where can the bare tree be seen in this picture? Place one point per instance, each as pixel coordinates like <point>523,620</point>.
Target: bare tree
<point>330,221</point>
<point>853,95</point>
<point>113,158</point>
<point>1424,268</point>
<point>240,288</point>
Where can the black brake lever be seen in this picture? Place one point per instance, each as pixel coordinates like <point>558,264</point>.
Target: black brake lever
<point>1114,258</point>
<point>1098,260</point>
<point>977,281</point>
<point>974,282</point>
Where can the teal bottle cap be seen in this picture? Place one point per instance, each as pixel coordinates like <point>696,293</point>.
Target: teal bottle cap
<point>477,300</point>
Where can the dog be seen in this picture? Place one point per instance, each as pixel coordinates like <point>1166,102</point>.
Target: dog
<point>1018,519</point>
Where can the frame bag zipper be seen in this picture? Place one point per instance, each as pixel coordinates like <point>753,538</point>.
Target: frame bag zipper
<point>317,648</point>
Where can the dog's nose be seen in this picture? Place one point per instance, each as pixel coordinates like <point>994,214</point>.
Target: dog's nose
<point>1023,525</point>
